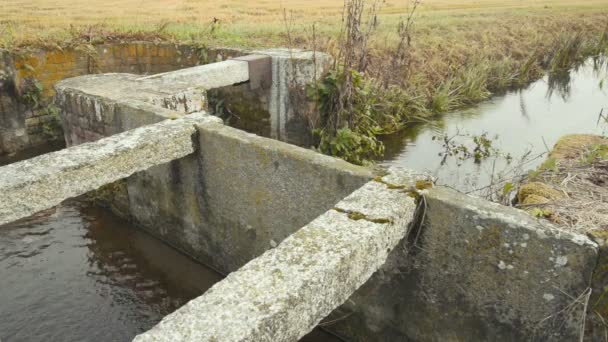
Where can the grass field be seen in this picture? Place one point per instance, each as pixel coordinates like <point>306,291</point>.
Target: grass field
<point>260,23</point>
<point>462,51</point>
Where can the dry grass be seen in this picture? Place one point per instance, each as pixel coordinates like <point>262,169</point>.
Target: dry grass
<point>581,177</point>
<point>586,206</point>
<point>448,34</point>
<point>259,23</point>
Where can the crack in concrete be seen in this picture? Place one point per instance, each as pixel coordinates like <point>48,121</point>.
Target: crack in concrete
<point>357,215</point>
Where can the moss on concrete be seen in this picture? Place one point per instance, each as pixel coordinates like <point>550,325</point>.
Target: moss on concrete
<point>533,199</point>
<point>538,190</point>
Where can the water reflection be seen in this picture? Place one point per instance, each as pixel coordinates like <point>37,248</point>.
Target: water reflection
<point>76,273</point>
<point>526,122</point>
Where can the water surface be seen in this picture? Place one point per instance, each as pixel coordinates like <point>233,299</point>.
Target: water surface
<point>79,273</point>
<point>526,121</point>
<point>76,273</point>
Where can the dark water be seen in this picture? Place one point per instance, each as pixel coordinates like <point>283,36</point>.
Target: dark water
<point>76,273</point>
<point>79,273</point>
<point>6,159</point>
<point>521,122</point>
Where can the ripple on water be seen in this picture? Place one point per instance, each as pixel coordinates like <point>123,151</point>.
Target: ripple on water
<point>76,273</point>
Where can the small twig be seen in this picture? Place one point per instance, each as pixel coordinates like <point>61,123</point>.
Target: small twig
<point>324,324</point>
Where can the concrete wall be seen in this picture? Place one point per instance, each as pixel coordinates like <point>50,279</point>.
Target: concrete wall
<point>281,110</point>
<point>284,293</point>
<point>24,124</point>
<point>234,199</point>
<point>458,269</point>
<point>472,270</point>
<point>239,196</point>
<point>271,111</point>
<point>45,181</point>
<point>479,271</point>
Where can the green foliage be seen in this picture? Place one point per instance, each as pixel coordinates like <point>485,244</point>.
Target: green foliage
<point>349,129</point>
<point>483,147</point>
<point>441,100</point>
<point>355,125</point>
<point>351,146</point>
<point>476,147</point>
<point>31,92</point>
<point>540,212</point>
<point>52,128</point>
<point>550,164</point>
<point>202,54</point>
<point>595,153</point>
<point>507,188</point>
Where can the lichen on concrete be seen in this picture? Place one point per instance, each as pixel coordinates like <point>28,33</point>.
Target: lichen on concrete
<point>283,294</point>
<point>42,182</point>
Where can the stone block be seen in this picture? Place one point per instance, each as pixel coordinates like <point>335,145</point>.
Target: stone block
<point>42,182</point>
<point>287,291</point>
<point>476,271</point>
<point>260,70</point>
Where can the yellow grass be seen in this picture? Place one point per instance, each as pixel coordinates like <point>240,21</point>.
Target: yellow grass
<point>257,23</point>
<point>142,12</point>
<point>493,37</point>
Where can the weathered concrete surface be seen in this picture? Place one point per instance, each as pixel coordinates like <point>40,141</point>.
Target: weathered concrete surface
<point>292,70</point>
<point>239,196</point>
<point>221,205</point>
<point>42,182</point>
<point>25,125</point>
<point>206,76</point>
<point>480,272</point>
<point>281,111</point>
<point>96,106</point>
<point>283,294</point>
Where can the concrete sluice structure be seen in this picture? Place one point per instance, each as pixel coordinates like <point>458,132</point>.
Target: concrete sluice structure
<point>380,256</point>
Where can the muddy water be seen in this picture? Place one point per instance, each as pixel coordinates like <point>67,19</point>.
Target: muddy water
<point>523,122</point>
<point>79,273</point>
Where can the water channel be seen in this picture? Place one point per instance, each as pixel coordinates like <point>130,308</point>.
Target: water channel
<point>522,123</point>
<point>77,272</point>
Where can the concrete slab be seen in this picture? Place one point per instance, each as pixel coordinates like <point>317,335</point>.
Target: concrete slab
<point>286,292</point>
<point>45,181</point>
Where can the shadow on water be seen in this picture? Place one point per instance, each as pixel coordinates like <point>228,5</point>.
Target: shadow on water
<point>6,159</point>
<point>76,273</point>
<point>525,122</point>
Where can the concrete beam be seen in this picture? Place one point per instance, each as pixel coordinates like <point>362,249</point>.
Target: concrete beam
<point>208,76</point>
<point>45,181</point>
<point>286,292</point>
<point>260,70</point>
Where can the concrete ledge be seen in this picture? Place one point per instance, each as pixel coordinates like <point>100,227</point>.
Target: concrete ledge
<point>513,275</point>
<point>239,195</point>
<point>283,294</point>
<point>42,182</point>
<point>206,76</point>
<point>479,272</point>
